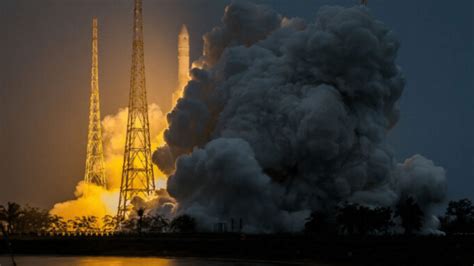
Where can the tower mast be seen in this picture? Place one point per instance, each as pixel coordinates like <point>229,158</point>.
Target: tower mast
<point>95,171</point>
<point>137,171</point>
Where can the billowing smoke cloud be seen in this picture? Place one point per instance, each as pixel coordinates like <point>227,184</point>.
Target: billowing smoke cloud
<point>420,178</point>
<point>114,132</point>
<point>285,116</point>
<point>92,200</point>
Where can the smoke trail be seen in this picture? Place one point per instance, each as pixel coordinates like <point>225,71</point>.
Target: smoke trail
<point>285,116</point>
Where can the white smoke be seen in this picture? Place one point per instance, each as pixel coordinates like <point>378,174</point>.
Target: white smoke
<point>285,117</point>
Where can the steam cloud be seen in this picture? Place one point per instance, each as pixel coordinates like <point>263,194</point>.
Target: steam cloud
<point>284,117</point>
<point>114,135</point>
<point>92,200</point>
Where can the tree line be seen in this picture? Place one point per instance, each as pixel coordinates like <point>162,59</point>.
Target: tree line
<point>349,219</point>
<point>355,219</point>
<point>26,220</point>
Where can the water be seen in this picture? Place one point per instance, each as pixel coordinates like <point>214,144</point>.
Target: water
<point>131,261</point>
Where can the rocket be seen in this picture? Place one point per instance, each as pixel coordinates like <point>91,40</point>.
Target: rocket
<point>183,63</point>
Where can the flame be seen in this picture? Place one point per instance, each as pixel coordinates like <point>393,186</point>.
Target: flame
<point>93,200</point>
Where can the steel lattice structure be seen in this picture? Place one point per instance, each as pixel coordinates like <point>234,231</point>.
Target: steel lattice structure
<point>95,171</point>
<point>137,172</point>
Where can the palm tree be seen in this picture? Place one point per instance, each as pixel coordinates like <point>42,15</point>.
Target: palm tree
<point>33,221</point>
<point>57,225</point>
<point>462,209</point>
<point>91,224</point>
<point>318,223</point>
<point>380,219</point>
<point>159,224</point>
<point>411,215</point>
<point>355,218</point>
<point>140,213</point>
<point>77,225</point>
<point>10,215</point>
<point>347,218</point>
<point>84,224</point>
<point>459,217</point>
<point>183,224</point>
<point>109,223</point>
<point>71,225</point>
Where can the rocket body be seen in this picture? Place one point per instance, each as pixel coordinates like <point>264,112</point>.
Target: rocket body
<point>183,63</point>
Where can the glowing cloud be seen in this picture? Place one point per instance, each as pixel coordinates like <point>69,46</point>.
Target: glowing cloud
<point>93,200</point>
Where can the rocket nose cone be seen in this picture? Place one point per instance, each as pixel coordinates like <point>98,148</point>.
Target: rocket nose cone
<point>184,30</point>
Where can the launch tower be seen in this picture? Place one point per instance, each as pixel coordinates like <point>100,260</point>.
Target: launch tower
<point>95,171</point>
<point>137,171</point>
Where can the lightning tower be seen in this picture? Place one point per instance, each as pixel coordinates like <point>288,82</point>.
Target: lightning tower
<point>95,171</point>
<point>183,63</point>
<point>137,171</point>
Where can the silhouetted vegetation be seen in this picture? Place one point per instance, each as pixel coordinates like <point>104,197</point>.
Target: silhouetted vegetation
<point>148,223</point>
<point>33,220</point>
<point>346,219</point>
<point>319,223</point>
<point>57,225</point>
<point>109,223</point>
<point>459,217</point>
<point>357,219</point>
<point>411,215</point>
<point>351,219</point>
<point>363,224</point>
<point>140,213</point>
<point>27,220</point>
<point>145,223</point>
<point>10,214</point>
<point>158,224</point>
<point>183,224</point>
<point>85,225</point>
<point>18,220</point>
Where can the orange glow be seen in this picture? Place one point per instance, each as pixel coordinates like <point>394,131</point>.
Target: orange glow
<point>93,200</point>
<point>125,261</point>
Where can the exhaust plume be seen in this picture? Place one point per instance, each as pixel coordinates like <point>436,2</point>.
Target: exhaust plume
<point>92,200</point>
<point>284,117</point>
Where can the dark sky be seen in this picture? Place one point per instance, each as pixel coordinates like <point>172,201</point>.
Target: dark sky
<point>45,69</point>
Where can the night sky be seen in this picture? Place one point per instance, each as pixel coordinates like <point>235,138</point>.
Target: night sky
<point>45,72</point>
